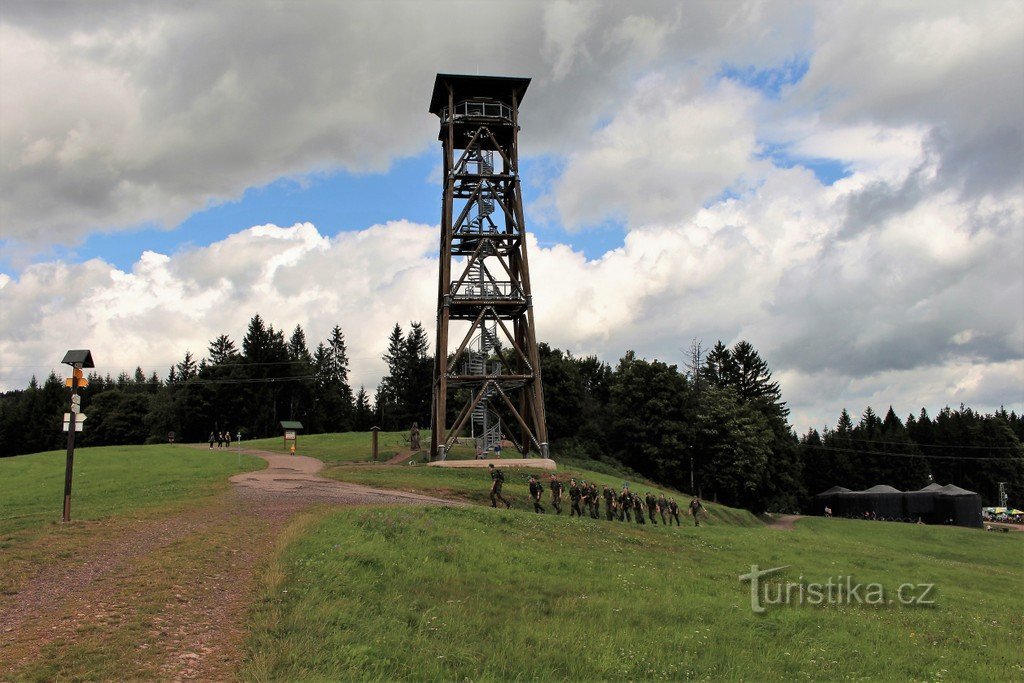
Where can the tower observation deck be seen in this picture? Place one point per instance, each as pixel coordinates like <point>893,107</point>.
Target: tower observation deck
<point>484,274</point>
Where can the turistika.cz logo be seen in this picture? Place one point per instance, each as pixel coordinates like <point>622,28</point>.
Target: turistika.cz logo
<point>837,590</point>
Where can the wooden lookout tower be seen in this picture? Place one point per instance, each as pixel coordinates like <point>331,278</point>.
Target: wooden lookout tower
<point>484,274</point>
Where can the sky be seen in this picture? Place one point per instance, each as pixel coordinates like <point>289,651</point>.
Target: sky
<point>840,184</point>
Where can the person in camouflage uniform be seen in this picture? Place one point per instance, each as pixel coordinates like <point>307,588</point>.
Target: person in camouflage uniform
<point>638,508</point>
<point>673,512</point>
<point>662,507</point>
<point>595,502</point>
<point>574,498</point>
<point>609,501</point>
<point>584,495</point>
<point>497,480</point>
<point>556,493</point>
<point>625,504</point>
<point>695,509</point>
<point>536,491</point>
<point>652,504</point>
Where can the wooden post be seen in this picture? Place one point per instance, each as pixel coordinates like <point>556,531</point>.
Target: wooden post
<point>70,465</point>
<point>375,430</point>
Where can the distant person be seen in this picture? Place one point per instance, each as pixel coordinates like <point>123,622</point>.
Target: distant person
<point>414,436</point>
<point>673,511</point>
<point>662,507</point>
<point>497,480</point>
<point>625,504</point>
<point>695,509</point>
<point>595,502</point>
<point>497,450</point>
<point>227,438</point>
<point>828,511</point>
<point>536,491</point>
<point>212,439</point>
<point>609,501</point>
<point>556,493</point>
<point>574,498</point>
<point>638,508</point>
<point>652,504</point>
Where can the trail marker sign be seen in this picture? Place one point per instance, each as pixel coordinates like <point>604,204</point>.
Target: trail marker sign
<point>79,419</point>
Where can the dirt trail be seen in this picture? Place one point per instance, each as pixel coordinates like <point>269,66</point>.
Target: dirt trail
<point>785,522</point>
<point>177,587</point>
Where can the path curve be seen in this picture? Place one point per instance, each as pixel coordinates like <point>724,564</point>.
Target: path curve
<point>296,476</point>
<point>199,627</point>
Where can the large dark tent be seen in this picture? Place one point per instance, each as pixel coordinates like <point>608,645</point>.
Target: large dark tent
<point>831,500</point>
<point>958,506</point>
<point>883,501</point>
<point>933,504</point>
<point>920,505</point>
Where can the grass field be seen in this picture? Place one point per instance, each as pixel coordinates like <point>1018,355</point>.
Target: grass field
<point>474,485</point>
<point>445,594</point>
<point>350,446</point>
<point>110,480</point>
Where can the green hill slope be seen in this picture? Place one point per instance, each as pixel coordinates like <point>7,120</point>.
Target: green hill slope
<point>446,594</point>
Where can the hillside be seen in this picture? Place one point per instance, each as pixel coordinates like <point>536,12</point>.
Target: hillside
<point>176,574</point>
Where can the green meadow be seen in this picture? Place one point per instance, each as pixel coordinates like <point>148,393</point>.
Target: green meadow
<point>482,594</point>
<point>346,447</point>
<point>111,480</point>
<point>474,485</point>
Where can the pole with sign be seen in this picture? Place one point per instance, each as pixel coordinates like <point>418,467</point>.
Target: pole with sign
<point>73,421</point>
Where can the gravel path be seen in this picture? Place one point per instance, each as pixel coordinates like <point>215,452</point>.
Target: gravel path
<point>183,582</point>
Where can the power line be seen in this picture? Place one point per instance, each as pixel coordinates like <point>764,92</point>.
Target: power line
<point>911,455</point>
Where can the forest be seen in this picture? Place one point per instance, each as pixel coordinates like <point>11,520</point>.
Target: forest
<point>717,426</point>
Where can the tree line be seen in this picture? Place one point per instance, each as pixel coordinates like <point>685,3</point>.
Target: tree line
<point>717,427</point>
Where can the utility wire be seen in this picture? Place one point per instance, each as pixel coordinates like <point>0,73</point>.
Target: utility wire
<point>911,455</point>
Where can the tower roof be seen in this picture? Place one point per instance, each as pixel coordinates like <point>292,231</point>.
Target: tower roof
<point>498,88</point>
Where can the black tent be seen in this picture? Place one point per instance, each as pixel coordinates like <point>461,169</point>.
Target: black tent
<point>882,501</point>
<point>955,505</point>
<point>830,499</point>
<point>920,504</point>
<point>933,504</point>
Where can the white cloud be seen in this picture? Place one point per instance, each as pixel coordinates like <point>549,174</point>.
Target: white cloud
<point>670,148</point>
<point>898,284</point>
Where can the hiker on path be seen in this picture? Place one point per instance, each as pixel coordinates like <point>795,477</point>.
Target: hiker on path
<point>695,509</point>
<point>536,491</point>
<point>497,479</point>
<point>556,493</point>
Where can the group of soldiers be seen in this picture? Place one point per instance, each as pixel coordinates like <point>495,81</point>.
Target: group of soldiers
<point>622,506</point>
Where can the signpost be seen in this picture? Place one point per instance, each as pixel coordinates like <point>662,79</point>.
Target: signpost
<point>73,421</point>
<point>291,428</point>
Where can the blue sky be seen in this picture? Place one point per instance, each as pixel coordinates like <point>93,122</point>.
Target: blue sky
<point>642,119</point>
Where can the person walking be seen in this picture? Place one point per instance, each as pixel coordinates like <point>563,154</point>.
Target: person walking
<point>212,439</point>
<point>662,507</point>
<point>652,503</point>
<point>536,491</point>
<point>609,501</point>
<point>574,498</point>
<point>497,480</point>
<point>695,509</point>
<point>556,494</point>
<point>625,504</point>
<point>673,511</point>
<point>638,508</point>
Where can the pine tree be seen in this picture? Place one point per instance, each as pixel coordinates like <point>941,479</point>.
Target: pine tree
<point>221,350</point>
